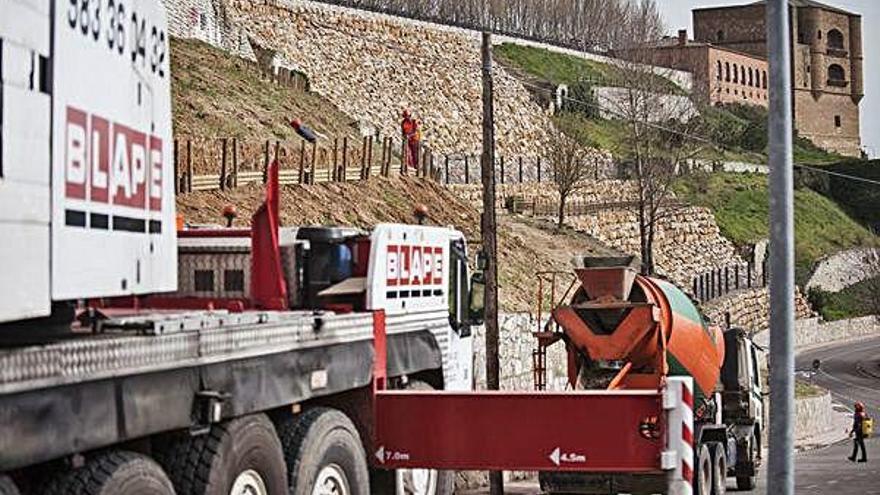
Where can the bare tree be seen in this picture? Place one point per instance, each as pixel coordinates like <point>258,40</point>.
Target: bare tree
<point>660,127</point>
<point>581,24</point>
<point>571,167</point>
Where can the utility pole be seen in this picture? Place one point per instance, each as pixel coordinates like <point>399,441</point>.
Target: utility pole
<point>781,469</point>
<point>496,478</point>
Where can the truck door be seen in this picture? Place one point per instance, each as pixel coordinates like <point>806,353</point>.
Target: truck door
<point>25,117</point>
<point>459,375</point>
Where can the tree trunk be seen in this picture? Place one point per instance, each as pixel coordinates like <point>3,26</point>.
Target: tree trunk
<point>560,218</point>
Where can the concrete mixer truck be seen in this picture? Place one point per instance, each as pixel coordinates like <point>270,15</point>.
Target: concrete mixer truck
<point>660,401</point>
<point>628,332</point>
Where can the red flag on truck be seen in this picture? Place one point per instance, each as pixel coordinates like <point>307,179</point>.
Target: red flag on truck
<point>268,289</point>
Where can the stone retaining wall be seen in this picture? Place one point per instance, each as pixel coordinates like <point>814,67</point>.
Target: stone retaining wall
<point>750,309</point>
<point>687,242</point>
<point>373,65</point>
<point>815,331</point>
<point>845,268</point>
<point>814,417</point>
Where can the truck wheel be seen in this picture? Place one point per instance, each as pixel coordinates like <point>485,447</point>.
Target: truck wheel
<point>240,457</point>
<point>703,474</point>
<point>748,452</point>
<point>7,487</point>
<point>719,470</point>
<point>413,481</point>
<point>113,473</point>
<point>324,454</point>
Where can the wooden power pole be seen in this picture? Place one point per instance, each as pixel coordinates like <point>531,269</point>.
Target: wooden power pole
<point>496,479</point>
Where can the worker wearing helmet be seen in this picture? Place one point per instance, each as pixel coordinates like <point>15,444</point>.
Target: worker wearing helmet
<point>858,433</point>
<point>409,127</point>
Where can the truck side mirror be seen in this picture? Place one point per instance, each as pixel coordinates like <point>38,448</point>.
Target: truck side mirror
<point>477,299</point>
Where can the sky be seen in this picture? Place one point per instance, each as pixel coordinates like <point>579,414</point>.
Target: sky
<point>677,14</point>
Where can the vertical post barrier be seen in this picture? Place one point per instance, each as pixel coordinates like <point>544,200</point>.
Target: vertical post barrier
<point>467,171</point>
<point>369,156</point>
<point>363,173</point>
<point>678,460</point>
<point>302,159</point>
<point>235,162</point>
<point>520,169</point>
<point>265,161</point>
<point>176,167</point>
<point>539,170</point>
<point>343,175</point>
<point>446,169</point>
<point>736,277</point>
<point>223,165</point>
<point>502,170</point>
<point>332,174</point>
<point>189,166</point>
<point>311,175</point>
<point>726,279</point>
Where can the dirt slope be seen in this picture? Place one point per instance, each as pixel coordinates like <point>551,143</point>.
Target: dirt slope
<point>216,95</point>
<point>525,246</point>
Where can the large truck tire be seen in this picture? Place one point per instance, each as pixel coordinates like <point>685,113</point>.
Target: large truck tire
<point>112,473</point>
<point>748,451</point>
<point>719,470</point>
<point>703,471</point>
<point>324,454</point>
<point>7,486</point>
<point>413,481</point>
<point>239,457</point>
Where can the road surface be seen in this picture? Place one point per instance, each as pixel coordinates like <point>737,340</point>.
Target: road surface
<point>851,371</point>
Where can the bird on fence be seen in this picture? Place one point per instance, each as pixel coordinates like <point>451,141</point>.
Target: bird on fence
<point>305,131</point>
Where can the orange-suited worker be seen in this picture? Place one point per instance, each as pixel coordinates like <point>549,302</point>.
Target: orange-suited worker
<point>860,417</point>
<point>409,127</point>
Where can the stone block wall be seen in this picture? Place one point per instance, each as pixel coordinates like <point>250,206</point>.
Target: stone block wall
<point>372,66</point>
<point>845,268</point>
<point>813,417</point>
<point>814,331</point>
<point>515,353</point>
<point>750,309</point>
<point>207,20</point>
<point>687,242</point>
<point>599,192</point>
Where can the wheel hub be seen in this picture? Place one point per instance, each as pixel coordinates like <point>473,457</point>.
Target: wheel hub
<point>331,481</point>
<point>249,483</point>
<point>416,481</point>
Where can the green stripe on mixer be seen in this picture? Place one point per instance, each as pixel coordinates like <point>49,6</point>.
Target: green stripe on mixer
<point>678,369</point>
<point>680,303</point>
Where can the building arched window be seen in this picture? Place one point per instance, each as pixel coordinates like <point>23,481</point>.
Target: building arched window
<point>735,73</point>
<point>718,70</point>
<point>727,71</point>
<point>835,39</point>
<point>751,77</point>
<point>719,35</point>
<point>742,74</point>
<point>836,75</point>
<point>764,79</point>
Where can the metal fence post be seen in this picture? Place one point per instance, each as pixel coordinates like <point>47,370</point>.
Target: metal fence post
<point>467,171</point>
<point>223,165</point>
<point>189,166</point>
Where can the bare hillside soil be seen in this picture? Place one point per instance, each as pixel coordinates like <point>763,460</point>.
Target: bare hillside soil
<point>525,246</point>
<point>217,95</point>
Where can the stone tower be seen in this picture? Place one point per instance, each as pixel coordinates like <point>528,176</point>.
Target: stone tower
<point>827,65</point>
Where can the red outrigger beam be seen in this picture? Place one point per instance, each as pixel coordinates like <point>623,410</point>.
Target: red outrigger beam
<point>599,431</point>
<point>604,432</point>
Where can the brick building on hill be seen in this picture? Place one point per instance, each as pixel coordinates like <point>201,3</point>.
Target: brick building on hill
<point>721,75</point>
<point>826,63</point>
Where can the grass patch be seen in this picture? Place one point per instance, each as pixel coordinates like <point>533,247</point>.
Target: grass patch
<point>559,68</point>
<point>804,390</point>
<point>599,133</point>
<point>740,204</point>
<point>857,300</point>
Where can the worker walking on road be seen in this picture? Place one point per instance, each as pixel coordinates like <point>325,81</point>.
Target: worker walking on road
<point>858,433</point>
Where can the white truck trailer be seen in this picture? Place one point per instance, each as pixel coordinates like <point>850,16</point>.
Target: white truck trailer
<point>217,361</point>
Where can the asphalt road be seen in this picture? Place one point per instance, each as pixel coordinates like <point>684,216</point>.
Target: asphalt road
<point>851,371</point>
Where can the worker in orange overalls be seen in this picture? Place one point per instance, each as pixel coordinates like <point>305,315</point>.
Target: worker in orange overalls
<point>409,127</point>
